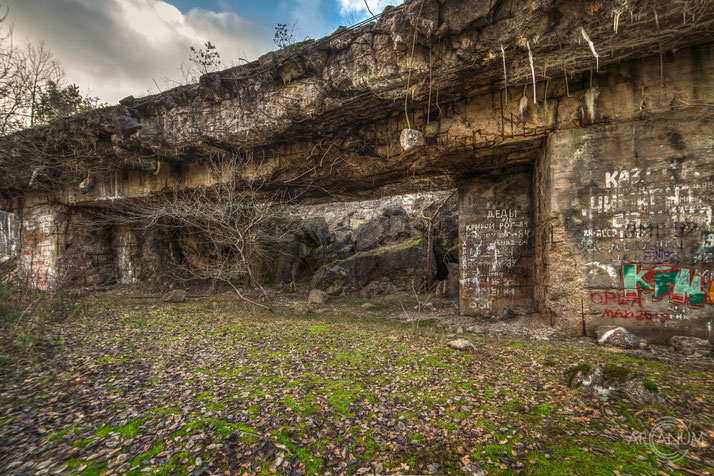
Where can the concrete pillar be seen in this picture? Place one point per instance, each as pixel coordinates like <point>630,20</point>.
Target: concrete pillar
<point>41,239</point>
<point>630,227</point>
<point>496,246</point>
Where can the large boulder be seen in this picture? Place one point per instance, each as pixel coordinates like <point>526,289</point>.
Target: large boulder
<point>690,346</point>
<point>462,344</point>
<point>315,231</point>
<point>611,381</point>
<point>397,264</point>
<point>340,246</point>
<point>610,336</point>
<point>391,225</point>
<point>333,278</point>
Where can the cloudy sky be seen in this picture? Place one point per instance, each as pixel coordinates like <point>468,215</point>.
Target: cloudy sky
<point>114,48</point>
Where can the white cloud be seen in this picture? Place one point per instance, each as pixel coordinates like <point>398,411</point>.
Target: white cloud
<point>348,7</point>
<point>119,47</point>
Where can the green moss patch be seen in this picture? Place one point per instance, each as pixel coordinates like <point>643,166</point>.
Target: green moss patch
<point>615,373</point>
<point>581,368</point>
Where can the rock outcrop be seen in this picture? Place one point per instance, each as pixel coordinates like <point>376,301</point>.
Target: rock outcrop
<point>692,347</point>
<point>609,336</point>
<point>611,382</point>
<point>309,103</point>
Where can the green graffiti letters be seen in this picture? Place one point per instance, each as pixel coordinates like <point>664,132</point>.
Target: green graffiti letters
<point>680,284</point>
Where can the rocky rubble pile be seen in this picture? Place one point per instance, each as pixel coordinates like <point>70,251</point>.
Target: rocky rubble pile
<point>373,248</point>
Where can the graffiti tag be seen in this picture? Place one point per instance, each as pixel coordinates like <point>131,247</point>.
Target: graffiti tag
<point>681,285</point>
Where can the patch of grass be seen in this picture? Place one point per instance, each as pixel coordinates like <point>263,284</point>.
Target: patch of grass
<point>318,329</point>
<point>187,428</point>
<point>245,433</point>
<point>516,406</point>
<point>341,394</point>
<point>156,449</point>
<point>290,402</point>
<point>211,406</point>
<point>650,385</point>
<point>174,467</point>
<point>83,443</point>
<point>569,458</point>
<point>58,435</point>
<point>172,410</point>
<point>94,469</point>
<point>541,409</point>
<point>313,464</point>
<point>206,395</point>
<point>128,431</point>
<point>111,360</point>
<point>137,321</point>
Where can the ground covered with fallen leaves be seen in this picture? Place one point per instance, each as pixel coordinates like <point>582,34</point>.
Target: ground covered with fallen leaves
<point>134,387</point>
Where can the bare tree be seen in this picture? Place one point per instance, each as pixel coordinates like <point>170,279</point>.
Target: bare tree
<point>228,230</point>
<point>8,53</point>
<point>32,89</point>
<point>37,69</point>
<point>26,74</point>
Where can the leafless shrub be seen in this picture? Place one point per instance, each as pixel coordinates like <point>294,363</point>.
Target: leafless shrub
<point>226,230</point>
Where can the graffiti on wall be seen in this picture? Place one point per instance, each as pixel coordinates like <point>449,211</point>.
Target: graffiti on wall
<point>38,257</point>
<point>647,238</point>
<point>680,284</point>
<point>650,215</point>
<point>495,237</point>
<point>680,287</point>
<point>616,306</point>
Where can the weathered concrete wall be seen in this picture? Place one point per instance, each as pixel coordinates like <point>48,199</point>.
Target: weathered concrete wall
<point>140,254</point>
<point>631,222</point>
<point>496,246</point>
<point>58,246</point>
<point>40,241</point>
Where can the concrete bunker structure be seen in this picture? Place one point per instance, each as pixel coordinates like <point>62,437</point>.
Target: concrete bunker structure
<point>579,136</point>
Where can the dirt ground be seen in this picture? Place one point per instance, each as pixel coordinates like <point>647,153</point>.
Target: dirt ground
<point>136,386</point>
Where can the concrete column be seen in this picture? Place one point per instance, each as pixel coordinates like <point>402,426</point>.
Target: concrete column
<point>630,238</point>
<point>496,246</point>
<point>41,238</point>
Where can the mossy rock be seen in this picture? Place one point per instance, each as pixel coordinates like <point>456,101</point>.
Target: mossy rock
<point>579,369</point>
<point>615,373</point>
